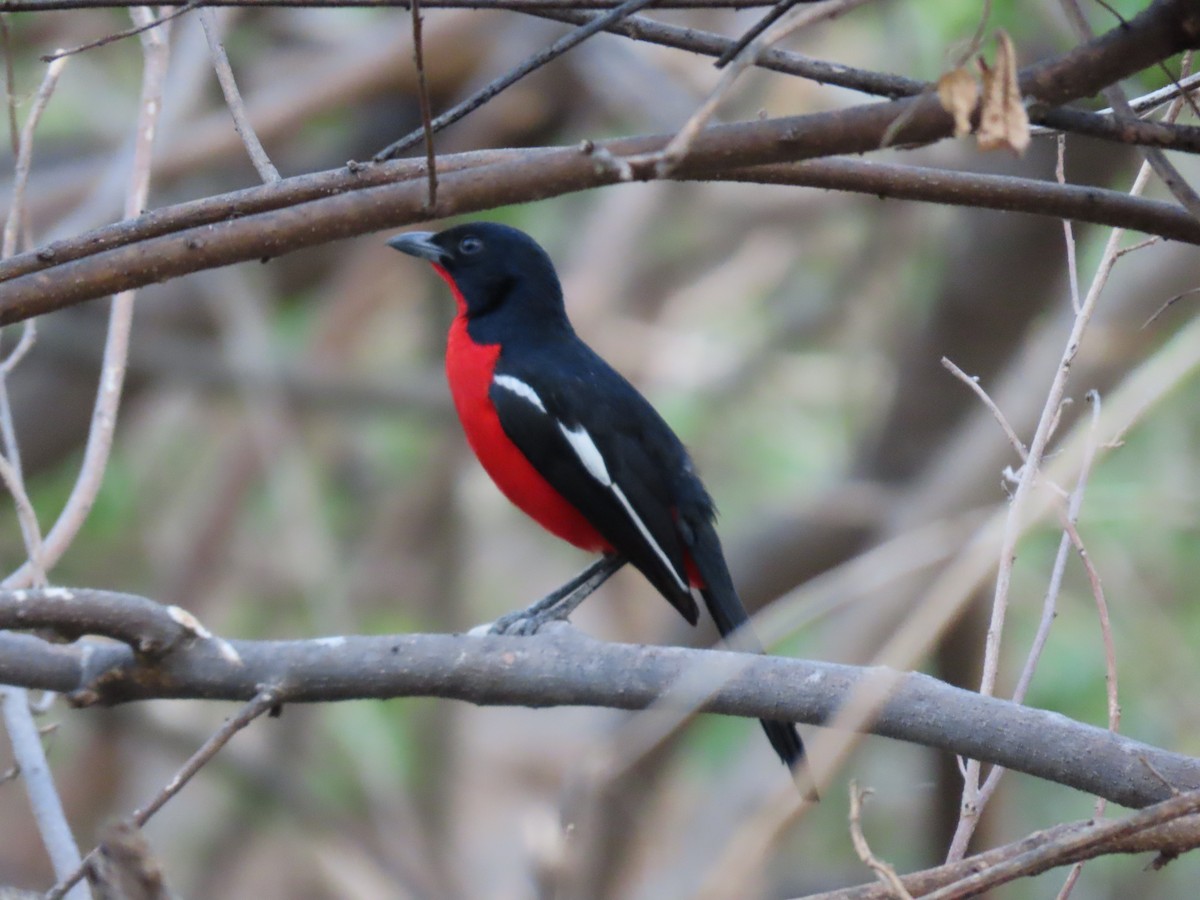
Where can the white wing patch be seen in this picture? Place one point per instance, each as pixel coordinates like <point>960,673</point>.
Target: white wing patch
<point>589,454</point>
<point>520,388</point>
<point>587,451</point>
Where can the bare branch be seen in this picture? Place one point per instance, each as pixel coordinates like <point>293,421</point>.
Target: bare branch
<point>150,629</point>
<point>233,99</point>
<point>708,43</point>
<point>486,93</point>
<point>39,784</point>
<point>884,871</point>
<point>564,667</point>
<point>49,5</point>
<point>223,236</point>
<point>228,229</point>
<point>974,799</point>
<point>264,700</point>
<point>121,35</point>
<point>423,102</point>
<point>112,375</point>
<point>667,160</point>
<point>1171,827</point>
<point>24,140</point>
<point>977,389</point>
<point>1115,95</point>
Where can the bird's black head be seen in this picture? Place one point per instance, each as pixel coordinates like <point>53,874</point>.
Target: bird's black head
<point>493,266</point>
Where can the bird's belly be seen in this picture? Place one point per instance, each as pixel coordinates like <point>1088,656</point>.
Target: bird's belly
<point>469,368</point>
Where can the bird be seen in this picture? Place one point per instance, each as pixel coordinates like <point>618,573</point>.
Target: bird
<point>569,441</point>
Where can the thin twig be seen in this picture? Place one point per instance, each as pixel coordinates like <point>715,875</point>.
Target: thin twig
<point>39,784</point>
<point>973,803</point>
<point>10,473</point>
<point>1110,654</point>
<point>268,698</point>
<point>883,871</point>
<point>1050,604</point>
<point>423,103</point>
<point>23,736</point>
<point>667,160</point>
<point>112,375</point>
<point>1069,885</point>
<point>121,35</point>
<point>708,43</point>
<point>1140,245</point>
<point>1060,174</point>
<point>976,42</point>
<point>539,59</point>
<point>16,207</point>
<point>754,31</point>
<point>1071,529</point>
<point>1168,304</point>
<point>24,345</point>
<point>233,99</point>
<point>10,85</point>
<point>1115,95</point>
<point>973,47</point>
<point>1088,838</point>
<point>973,383</point>
<point>1151,101</point>
<point>10,461</point>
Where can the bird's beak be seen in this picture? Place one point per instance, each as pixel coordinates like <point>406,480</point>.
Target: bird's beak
<point>419,244</point>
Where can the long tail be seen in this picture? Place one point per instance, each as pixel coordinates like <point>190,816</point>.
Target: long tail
<point>732,622</point>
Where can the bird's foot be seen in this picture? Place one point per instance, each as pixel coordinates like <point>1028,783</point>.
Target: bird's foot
<point>525,622</point>
<point>559,603</point>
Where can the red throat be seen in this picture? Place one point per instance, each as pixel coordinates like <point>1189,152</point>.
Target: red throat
<point>470,368</point>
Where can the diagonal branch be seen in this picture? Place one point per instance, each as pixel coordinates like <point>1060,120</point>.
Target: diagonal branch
<point>1169,828</point>
<point>233,99</point>
<point>228,229</point>
<point>507,80</point>
<point>43,281</point>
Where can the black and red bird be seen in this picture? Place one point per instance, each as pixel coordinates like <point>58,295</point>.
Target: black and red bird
<point>569,440</point>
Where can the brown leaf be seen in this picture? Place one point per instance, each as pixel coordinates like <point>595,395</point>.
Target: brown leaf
<point>1003,121</point>
<point>958,90</point>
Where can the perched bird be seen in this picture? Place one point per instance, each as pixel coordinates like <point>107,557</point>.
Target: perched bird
<point>568,440</point>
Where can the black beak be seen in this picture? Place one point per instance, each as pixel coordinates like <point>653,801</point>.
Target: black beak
<point>419,244</point>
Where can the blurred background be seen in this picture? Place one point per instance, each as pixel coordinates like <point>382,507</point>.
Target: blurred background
<point>287,464</point>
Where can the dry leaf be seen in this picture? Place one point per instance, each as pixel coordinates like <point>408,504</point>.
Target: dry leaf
<point>958,91</point>
<point>1003,121</point>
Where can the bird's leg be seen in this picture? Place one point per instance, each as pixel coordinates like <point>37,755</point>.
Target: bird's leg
<point>560,602</point>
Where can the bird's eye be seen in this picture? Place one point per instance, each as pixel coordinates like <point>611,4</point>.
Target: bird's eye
<point>470,244</point>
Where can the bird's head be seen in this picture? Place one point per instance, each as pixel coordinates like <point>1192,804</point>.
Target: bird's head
<point>490,265</point>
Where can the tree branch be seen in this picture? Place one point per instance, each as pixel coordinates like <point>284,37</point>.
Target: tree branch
<point>1169,828</point>
<point>562,667</point>
<point>303,212</point>
<point>522,5</point>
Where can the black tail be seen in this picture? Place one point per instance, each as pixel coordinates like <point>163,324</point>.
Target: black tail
<point>732,622</point>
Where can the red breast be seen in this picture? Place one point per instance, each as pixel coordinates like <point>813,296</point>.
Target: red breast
<point>469,369</point>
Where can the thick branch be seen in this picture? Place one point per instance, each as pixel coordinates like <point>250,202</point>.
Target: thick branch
<point>565,667</point>
<point>147,627</point>
<point>1080,203</point>
<point>1085,204</point>
<point>470,184</point>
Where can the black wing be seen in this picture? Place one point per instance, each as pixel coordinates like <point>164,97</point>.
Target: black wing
<point>601,445</point>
